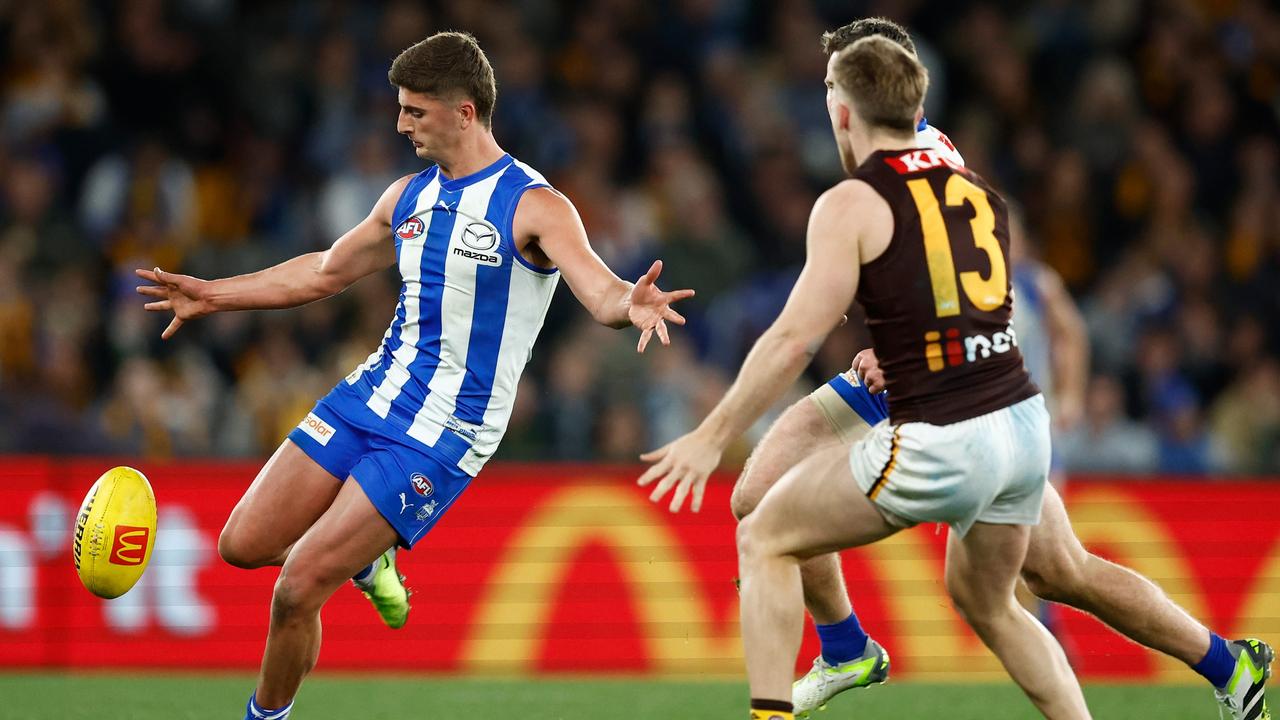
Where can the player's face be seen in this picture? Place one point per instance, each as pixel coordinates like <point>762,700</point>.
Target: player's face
<point>429,123</point>
<point>841,115</point>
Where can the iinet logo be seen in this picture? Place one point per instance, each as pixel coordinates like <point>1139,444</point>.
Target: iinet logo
<point>954,351</point>
<point>918,161</point>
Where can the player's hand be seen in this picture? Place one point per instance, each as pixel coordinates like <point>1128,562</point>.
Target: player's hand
<point>185,296</point>
<point>683,464</point>
<point>867,368</point>
<point>650,308</point>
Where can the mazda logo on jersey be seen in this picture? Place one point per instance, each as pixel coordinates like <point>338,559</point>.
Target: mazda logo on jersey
<point>422,485</point>
<point>411,228</point>
<point>480,236</point>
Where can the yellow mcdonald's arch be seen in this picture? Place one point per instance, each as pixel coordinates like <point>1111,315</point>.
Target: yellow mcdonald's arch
<point>681,636</point>
<point>1118,519</point>
<point>1260,614</point>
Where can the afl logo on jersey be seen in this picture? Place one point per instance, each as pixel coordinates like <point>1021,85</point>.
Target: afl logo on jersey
<point>480,236</point>
<point>411,228</point>
<point>421,485</point>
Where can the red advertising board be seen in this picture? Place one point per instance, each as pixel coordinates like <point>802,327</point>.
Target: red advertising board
<point>550,568</point>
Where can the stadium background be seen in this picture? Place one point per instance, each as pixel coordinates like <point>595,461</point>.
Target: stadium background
<point>214,137</point>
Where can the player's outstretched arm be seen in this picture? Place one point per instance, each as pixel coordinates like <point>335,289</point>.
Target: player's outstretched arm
<point>363,250</point>
<point>817,304</point>
<point>547,218</point>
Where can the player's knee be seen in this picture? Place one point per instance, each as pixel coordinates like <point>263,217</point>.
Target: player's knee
<point>749,539</point>
<point>1057,576</point>
<point>296,595</point>
<point>238,553</point>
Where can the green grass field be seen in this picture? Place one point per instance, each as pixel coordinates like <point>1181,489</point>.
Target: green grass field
<point>26,696</point>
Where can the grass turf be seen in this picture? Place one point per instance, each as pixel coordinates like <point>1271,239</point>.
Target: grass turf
<point>29,696</point>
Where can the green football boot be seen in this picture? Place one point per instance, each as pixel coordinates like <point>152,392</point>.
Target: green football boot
<point>386,590</point>
<point>825,681</point>
<point>1243,696</point>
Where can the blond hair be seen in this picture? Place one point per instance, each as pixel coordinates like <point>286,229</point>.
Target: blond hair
<point>885,82</point>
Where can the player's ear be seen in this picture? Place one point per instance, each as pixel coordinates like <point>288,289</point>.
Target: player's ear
<point>466,114</point>
<point>915,120</point>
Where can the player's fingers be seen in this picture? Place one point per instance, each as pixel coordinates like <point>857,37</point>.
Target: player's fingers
<point>644,339</point>
<point>146,275</point>
<point>699,487</point>
<point>682,491</point>
<point>677,295</point>
<point>654,271</point>
<point>653,473</point>
<point>159,305</point>
<point>656,454</point>
<point>672,315</point>
<point>661,329</point>
<point>173,328</point>
<point>153,291</point>
<point>663,487</point>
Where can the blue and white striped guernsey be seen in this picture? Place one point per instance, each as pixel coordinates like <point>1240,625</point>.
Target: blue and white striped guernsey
<point>470,310</point>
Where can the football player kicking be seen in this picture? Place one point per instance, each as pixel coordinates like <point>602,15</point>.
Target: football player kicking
<point>1056,568</point>
<point>480,240</point>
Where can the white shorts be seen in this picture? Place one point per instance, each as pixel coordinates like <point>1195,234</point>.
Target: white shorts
<point>991,468</point>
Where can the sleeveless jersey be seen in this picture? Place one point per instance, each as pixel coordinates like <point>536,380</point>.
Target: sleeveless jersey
<point>470,309</point>
<point>938,301</point>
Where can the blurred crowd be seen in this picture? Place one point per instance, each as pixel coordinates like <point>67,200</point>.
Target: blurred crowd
<point>1142,139</point>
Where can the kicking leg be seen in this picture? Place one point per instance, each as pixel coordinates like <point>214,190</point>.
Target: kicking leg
<point>820,491</point>
<point>289,494</point>
<point>346,538</point>
<point>1059,569</point>
<point>982,570</point>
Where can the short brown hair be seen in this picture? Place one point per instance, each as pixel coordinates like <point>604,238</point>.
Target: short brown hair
<point>446,65</point>
<point>836,40</point>
<point>885,82</point>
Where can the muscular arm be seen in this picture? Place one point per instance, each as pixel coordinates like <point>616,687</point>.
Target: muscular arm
<point>548,219</point>
<point>845,219</point>
<point>365,249</point>
<point>817,303</point>
<point>545,219</point>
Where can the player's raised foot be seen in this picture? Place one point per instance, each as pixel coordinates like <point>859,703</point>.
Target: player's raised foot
<point>1244,694</point>
<point>385,589</point>
<point>825,681</point>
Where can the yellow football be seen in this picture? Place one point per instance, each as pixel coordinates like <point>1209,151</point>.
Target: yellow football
<point>115,531</point>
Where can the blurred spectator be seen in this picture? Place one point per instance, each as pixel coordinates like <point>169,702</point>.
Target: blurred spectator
<point>1107,441</point>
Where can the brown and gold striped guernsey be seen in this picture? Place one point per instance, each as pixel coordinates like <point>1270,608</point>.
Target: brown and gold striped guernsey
<point>939,300</point>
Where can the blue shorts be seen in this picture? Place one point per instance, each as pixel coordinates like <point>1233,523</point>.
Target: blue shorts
<point>405,480</point>
<point>871,408</point>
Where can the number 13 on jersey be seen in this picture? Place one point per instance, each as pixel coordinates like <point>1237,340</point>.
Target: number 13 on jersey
<point>986,294</point>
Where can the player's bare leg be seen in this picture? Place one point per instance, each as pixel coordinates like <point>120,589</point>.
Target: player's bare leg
<point>346,538</point>
<point>286,498</point>
<point>798,433</point>
<point>1058,568</point>
<point>771,544</point>
<point>982,570</point>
